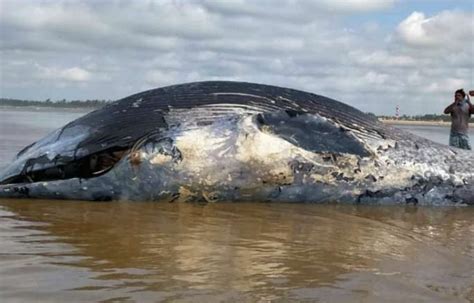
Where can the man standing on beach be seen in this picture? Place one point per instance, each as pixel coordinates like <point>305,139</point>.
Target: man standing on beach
<point>460,110</point>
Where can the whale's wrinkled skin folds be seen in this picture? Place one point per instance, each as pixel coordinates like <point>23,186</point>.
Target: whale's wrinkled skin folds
<point>234,141</point>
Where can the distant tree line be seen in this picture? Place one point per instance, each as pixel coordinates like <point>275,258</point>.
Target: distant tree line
<point>428,117</point>
<point>58,103</point>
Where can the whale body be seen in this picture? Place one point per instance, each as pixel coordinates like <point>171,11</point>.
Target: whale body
<point>235,141</point>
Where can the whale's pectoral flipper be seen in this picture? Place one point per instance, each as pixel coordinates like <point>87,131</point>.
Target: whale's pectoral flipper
<point>311,132</point>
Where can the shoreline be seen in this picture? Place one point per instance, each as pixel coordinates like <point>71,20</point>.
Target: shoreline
<point>418,123</point>
<point>48,108</point>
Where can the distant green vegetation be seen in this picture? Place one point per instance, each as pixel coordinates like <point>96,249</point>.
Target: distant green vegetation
<point>58,104</point>
<point>429,117</point>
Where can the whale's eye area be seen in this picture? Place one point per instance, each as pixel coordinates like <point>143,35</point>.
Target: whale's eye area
<point>102,162</point>
<point>43,169</point>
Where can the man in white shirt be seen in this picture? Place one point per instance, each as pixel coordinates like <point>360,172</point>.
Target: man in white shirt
<point>460,111</point>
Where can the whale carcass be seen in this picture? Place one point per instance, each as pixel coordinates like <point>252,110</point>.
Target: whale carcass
<point>235,141</point>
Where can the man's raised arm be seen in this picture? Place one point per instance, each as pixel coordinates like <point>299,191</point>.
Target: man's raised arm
<point>449,109</point>
<point>471,106</point>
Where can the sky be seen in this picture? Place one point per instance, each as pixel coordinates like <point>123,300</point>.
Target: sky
<point>371,54</point>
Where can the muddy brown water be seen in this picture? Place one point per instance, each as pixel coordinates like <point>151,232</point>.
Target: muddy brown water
<point>57,251</point>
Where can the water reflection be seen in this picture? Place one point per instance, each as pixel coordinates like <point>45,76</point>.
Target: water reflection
<point>233,252</point>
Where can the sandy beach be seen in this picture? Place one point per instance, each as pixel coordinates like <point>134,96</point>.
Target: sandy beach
<point>419,123</point>
<point>48,109</point>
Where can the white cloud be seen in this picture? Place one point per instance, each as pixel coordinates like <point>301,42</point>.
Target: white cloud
<point>440,87</point>
<point>382,58</point>
<point>358,5</point>
<point>296,10</point>
<point>376,78</point>
<point>75,74</point>
<point>448,29</point>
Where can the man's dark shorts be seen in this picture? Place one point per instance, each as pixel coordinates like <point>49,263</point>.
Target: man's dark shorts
<point>459,140</point>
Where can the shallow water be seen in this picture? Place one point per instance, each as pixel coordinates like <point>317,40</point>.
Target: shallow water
<point>435,133</point>
<point>56,251</point>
